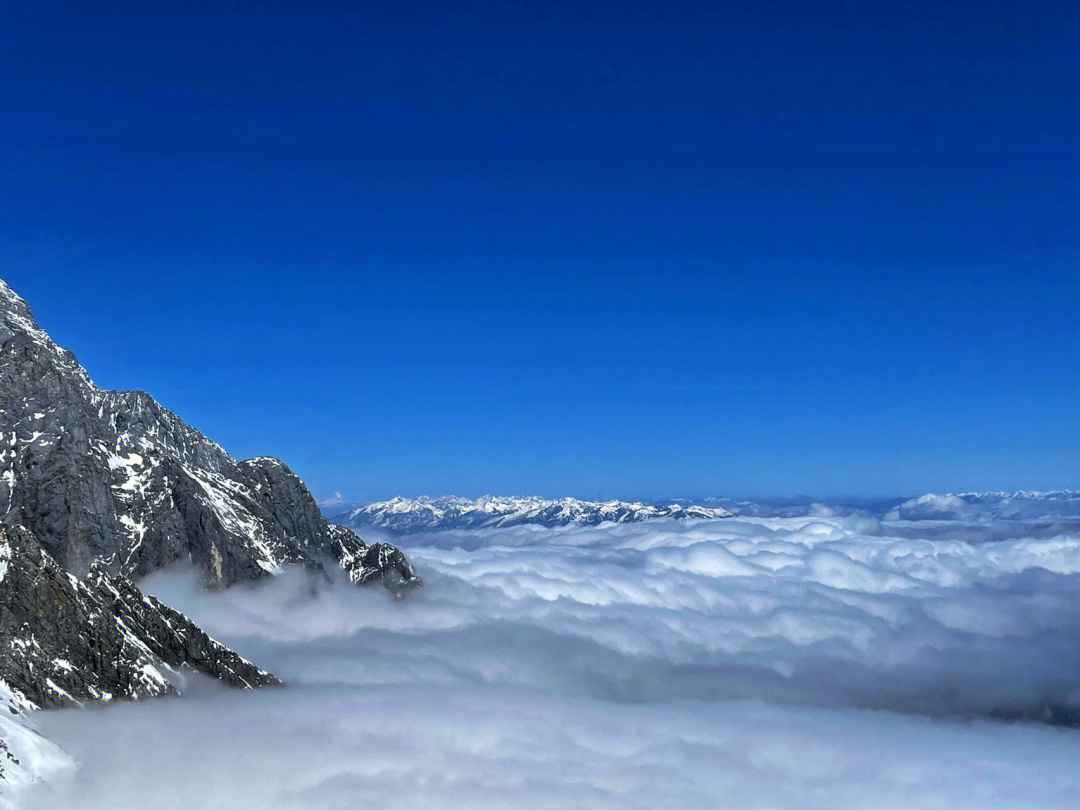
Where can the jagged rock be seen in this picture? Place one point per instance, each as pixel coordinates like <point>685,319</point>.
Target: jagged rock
<point>113,476</point>
<point>66,639</point>
<point>364,564</point>
<point>406,515</point>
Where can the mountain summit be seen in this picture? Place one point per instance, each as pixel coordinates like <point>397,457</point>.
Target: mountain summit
<point>113,479</point>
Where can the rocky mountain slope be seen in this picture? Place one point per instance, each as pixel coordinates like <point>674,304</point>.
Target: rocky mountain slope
<point>112,478</point>
<point>405,515</point>
<point>98,488</point>
<point>67,639</point>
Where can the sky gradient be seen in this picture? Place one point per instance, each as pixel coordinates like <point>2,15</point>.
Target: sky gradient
<point>633,250</point>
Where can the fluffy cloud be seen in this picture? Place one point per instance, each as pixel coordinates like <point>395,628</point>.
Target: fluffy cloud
<point>662,664</point>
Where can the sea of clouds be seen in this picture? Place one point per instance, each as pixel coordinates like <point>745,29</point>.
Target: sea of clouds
<point>829,660</point>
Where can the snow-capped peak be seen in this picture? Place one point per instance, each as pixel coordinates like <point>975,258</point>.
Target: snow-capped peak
<point>404,515</point>
<point>1018,505</point>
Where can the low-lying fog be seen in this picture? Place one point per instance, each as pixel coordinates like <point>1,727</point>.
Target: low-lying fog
<point>751,662</point>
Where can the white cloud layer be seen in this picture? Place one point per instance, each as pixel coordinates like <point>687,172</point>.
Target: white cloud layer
<point>771,662</point>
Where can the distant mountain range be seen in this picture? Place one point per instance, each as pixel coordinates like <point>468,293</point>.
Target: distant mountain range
<point>409,515</point>
<point>1020,505</point>
<point>949,506</point>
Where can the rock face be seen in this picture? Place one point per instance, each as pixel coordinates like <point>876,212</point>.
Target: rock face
<point>112,478</point>
<point>66,639</point>
<point>405,515</point>
<point>100,487</point>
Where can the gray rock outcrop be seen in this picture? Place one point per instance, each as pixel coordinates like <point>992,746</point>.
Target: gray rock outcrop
<point>67,639</point>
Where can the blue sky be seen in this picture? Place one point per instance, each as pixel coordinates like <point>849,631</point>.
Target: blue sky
<point>615,249</point>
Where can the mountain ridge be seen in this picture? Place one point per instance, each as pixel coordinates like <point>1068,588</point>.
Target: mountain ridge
<point>990,504</point>
<point>115,478</point>
<point>407,515</point>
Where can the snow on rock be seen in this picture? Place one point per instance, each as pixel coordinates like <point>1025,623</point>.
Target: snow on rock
<point>112,476</point>
<point>66,640</point>
<point>365,563</point>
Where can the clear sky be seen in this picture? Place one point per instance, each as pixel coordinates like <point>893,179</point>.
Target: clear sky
<point>617,249</point>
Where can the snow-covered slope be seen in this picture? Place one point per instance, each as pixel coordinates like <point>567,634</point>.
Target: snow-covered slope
<point>25,756</point>
<point>404,515</point>
<point>112,476</point>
